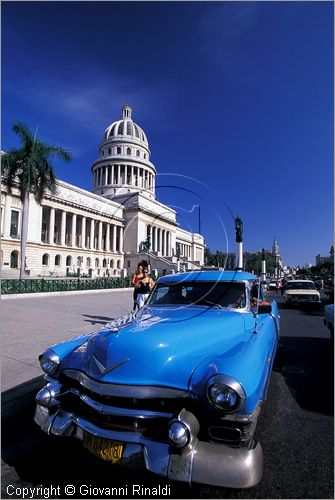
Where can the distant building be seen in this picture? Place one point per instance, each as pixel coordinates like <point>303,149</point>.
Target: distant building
<point>325,259</point>
<point>101,233</point>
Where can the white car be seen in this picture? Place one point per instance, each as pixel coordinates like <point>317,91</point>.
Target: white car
<point>301,292</point>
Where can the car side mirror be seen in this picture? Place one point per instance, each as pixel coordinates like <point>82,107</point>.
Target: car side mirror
<point>264,308</point>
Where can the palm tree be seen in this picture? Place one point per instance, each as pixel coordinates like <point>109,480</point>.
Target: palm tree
<point>29,170</point>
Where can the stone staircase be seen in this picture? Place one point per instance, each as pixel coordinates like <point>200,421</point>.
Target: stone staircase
<point>168,265</point>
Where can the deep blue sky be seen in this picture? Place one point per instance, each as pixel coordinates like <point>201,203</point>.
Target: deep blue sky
<point>237,96</point>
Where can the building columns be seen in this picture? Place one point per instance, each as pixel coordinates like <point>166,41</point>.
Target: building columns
<point>92,235</point>
<point>121,240</point>
<point>163,242</point>
<point>63,229</point>
<point>73,232</point>
<point>108,237</point>
<point>51,226</point>
<point>114,238</point>
<point>83,232</point>
<point>100,236</point>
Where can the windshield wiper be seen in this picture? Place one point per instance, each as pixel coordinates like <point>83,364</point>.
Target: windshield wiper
<point>209,302</point>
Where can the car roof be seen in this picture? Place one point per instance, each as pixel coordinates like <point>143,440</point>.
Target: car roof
<point>208,276</point>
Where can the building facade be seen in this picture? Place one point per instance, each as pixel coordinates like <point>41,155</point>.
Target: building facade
<point>107,231</point>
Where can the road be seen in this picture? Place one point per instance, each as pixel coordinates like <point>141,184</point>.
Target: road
<point>295,428</point>
<point>31,324</point>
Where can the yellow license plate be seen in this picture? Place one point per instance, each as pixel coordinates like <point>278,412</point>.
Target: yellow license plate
<point>103,448</point>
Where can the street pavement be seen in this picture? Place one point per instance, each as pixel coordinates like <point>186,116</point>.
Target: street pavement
<point>31,324</point>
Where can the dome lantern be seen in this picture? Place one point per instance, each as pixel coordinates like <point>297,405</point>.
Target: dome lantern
<point>126,112</point>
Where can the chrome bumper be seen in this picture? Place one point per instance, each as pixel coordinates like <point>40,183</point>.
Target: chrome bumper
<point>199,462</point>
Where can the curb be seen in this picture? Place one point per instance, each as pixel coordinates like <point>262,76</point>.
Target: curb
<point>57,294</point>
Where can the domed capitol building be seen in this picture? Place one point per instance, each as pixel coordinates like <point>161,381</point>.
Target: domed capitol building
<point>106,232</point>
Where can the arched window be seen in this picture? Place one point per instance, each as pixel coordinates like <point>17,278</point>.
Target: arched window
<point>129,129</point>
<point>111,264</point>
<point>88,262</point>
<point>97,262</point>
<point>58,260</point>
<point>128,151</point>
<point>104,263</point>
<point>118,150</point>
<point>109,151</point>
<point>118,265</point>
<point>14,259</point>
<point>137,152</point>
<point>69,260</point>
<point>45,260</point>
<point>79,260</point>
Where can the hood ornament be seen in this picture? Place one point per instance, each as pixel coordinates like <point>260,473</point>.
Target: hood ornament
<point>103,369</point>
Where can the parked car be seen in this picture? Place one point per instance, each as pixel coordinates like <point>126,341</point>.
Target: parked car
<point>329,318</point>
<point>273,285</point>
<point>300,292</point>
<point>179,386</point>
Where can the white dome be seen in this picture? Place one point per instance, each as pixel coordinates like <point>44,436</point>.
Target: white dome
<point>125,127</point>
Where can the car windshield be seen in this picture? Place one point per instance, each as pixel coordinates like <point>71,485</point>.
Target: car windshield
<point>200,293</point>
<point>300,285</point>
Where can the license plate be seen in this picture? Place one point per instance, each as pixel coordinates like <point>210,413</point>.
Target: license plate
<point>105,449</point>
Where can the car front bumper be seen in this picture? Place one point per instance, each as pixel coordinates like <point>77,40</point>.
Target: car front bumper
<point>199,462</point>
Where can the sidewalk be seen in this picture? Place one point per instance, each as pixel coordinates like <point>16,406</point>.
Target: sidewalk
<point>31,323</point>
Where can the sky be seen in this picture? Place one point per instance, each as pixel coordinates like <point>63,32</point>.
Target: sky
<point>236,99</point>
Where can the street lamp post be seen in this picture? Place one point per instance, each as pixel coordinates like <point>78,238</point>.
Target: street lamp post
<point>178,256</point>
<point>239,243</point>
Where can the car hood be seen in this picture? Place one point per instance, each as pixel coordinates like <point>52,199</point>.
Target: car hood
<point>161,346</point>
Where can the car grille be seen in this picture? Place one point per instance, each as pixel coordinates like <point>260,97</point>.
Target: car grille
<point>148,417</point>
<point>303,298</point>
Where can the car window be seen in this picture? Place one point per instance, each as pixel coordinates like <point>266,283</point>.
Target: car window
<point>200,293</point>
<point>299,285</point>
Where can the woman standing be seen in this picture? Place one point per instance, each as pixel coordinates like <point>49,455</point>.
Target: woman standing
<point>135,278</point>
<point>144,285</point>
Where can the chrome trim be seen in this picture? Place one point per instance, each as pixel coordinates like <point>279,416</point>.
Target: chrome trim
<point>103,369</point>
<point>243,419</point>
<point>128,391</point>
<point>117,411</point>
<point>222,465</point>
<point>206,463</point>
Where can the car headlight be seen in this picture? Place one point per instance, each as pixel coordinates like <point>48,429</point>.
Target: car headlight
<point>49,362</point>
<point>225,393</point>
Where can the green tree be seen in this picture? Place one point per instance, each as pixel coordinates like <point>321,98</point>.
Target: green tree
<point>29,170</point>
<point>253,262</point>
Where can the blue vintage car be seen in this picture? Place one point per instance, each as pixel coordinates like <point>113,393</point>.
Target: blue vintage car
<point>179,386</point>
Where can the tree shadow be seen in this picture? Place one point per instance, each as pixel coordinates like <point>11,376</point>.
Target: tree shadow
<point>97,320</point>
<point>307,365</point>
